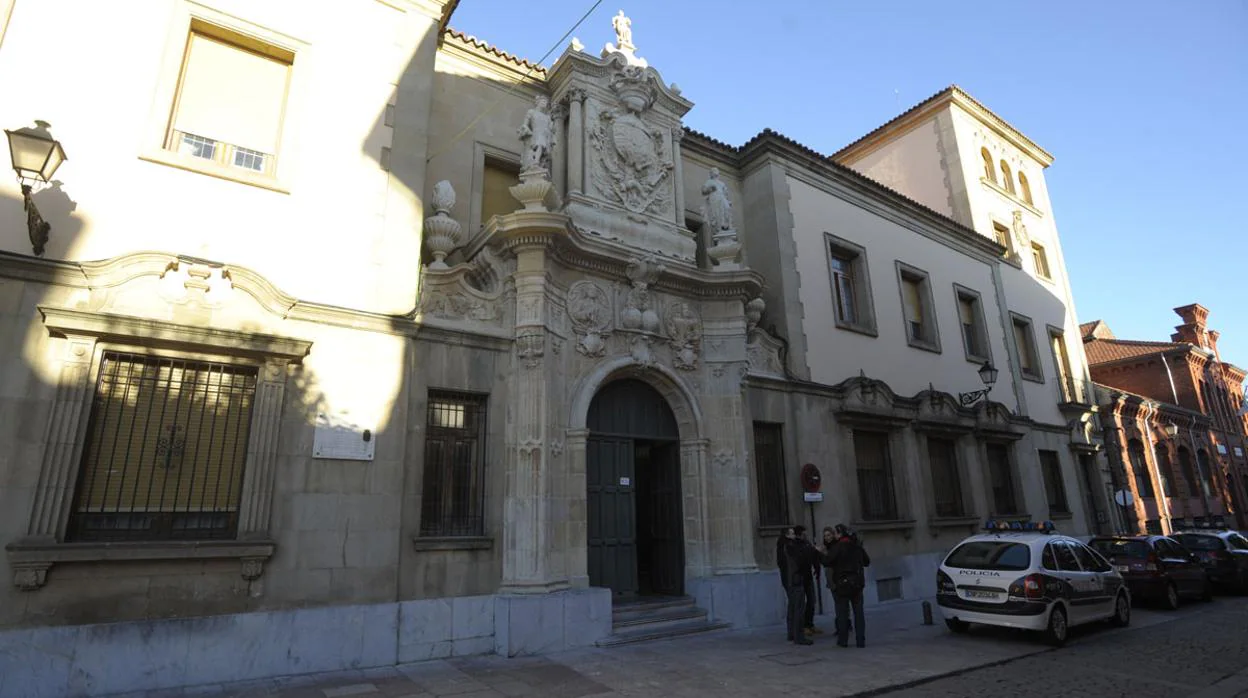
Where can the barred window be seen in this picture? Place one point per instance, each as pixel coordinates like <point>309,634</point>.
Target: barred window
<point>946,485</point>
<point>453,501</point>
<point>876,492</point>
<point>773,504</point>
<point>1054,485</point>
<point>165,451</point>
<point>1001,479</point>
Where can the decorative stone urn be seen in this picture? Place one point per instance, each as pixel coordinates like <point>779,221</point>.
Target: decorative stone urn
<point>441,231</point>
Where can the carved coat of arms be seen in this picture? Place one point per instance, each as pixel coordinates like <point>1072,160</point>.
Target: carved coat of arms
<point>633,165</point>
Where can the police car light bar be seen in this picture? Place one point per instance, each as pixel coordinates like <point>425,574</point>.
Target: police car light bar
<point>1019,526</point>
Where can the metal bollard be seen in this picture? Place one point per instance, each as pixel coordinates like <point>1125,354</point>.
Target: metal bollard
<point>927,613</point>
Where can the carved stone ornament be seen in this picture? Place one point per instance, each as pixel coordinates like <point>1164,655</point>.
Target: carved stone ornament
<point>623,27</point>
<point>456,305</point>
<point>28,576</point>
<point>251,568</point>
<point>638,313</point>
<point>589,308</point>
<point>722,459</point>
<point>441,231</point>
<point>633,164</point>
<point>530,349</point>
<point>753,313</point>
<point>685,329</point>
<point>1022,241</point>
<point>641,350</point>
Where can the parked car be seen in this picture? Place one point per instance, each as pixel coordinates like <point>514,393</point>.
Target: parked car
<point>1026,576</point>
<point>1224,554</point>
<point>1156,568</point>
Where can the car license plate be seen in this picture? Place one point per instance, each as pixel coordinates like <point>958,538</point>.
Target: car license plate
<point>973,594</point>
<point>1123,568</point>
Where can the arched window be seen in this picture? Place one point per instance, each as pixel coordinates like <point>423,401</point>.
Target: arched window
<point>1164,470</point>
<point>1189,475</point>
<point>1026,187</point>
<point>1139,467</point>
<point>990,173</point>
<point>1008,179</point>
<point>1202,462</point>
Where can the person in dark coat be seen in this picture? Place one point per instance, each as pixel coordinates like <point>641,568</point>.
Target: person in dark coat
<point>846,559</point>
<point>795,561</point>
<point>808,582</point>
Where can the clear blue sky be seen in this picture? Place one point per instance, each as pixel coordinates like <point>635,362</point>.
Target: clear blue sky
<point>1143,104</point>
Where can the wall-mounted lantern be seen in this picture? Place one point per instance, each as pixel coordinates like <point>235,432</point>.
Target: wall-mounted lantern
<point>36,155</point>
<point>987,374</point>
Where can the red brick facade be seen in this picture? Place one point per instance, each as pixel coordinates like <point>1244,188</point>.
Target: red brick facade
<point>1151,388</point>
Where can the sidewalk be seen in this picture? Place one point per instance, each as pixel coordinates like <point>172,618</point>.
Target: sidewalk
<point>756,662</point>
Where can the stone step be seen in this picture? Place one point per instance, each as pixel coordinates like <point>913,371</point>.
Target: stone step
<point>646,633</point>
<point>658,618</point>
<point>642,609</point>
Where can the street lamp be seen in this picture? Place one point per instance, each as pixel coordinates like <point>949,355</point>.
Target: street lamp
<point>987,374</point>
<point>36,155</point>
<point>1171,429</point>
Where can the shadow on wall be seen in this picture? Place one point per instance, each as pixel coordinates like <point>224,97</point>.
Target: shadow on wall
<point>58,209</point>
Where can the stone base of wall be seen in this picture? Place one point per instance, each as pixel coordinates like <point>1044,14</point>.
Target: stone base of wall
<point>92,660</point>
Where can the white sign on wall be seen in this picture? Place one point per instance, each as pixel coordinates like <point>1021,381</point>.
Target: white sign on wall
<point>339,439</point>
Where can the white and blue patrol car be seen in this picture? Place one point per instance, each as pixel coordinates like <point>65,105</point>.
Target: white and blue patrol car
<point>1024,575</point>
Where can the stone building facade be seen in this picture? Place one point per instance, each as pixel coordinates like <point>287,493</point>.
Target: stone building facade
<point>434,351</point>
<point>1176,424</point>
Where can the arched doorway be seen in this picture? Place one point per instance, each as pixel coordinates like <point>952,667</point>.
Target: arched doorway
<point>632,468</point>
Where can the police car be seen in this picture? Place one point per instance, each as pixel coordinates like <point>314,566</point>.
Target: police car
<point>1024,575</point>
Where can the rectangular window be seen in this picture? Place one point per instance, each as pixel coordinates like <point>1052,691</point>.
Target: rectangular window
<point>773,504</point>
<point>1041,261</point>
<point>974,329</point>
<point>496,180</point>
<point>1001,234</point>
<point>453,501</point>
<point>1070,391</point>
<point>230,101</point>
<point>1001,480</point>
<point>946,482</point>
<point>1054,485</point>
<point>876,493</point>
<point>165,451</point>
<point>1025,342</point>
<point>917,308</point>
<point>851,286</point>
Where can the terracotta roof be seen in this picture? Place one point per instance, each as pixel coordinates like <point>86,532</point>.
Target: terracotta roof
<point>1103,351</point>
<point>946,93</point>
<point>476,43</point>
<point>447,10</point>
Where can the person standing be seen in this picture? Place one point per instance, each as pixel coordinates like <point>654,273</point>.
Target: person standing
<point>795,560</point>
<point>846,559</point>
<point>808,581</point>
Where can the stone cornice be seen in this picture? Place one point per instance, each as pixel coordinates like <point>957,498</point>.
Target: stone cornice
<point>84,323</point>
<point>585,64</point>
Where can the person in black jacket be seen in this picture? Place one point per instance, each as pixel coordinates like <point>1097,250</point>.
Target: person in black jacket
<point>845,559</point>
<point>808,581</point>
<point>795,561</point>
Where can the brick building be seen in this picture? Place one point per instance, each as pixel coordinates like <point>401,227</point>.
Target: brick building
<point>1174,430</point>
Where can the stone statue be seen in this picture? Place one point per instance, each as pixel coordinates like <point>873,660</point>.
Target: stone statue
<point>717,211</point>
<point>537,133</point>
<point>623,31</point>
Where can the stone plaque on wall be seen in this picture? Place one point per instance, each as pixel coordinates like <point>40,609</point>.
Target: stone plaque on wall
<point>339,439</point>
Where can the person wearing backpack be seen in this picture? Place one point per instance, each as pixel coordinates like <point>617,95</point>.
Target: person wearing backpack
<point>846,559</point>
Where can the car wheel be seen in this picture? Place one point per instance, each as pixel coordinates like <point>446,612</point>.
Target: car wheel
<point>1170,600</point>
<point>957,626</point>
<point>1122,611</point>
<point>1058,629</point>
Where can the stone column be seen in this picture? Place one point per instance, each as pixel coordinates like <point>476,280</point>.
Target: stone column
<point>261,469</point>
<point>559,155</point>
<point>728,475</point>
<point>678,134</point>
<point>578,509</point>
<point>576,140</point>
<point>694,488</point>
<point>529,537</point>
<point>62,448</point>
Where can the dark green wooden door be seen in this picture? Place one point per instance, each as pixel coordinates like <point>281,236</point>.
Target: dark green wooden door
<point>666,549</point>
<point>612,514</point>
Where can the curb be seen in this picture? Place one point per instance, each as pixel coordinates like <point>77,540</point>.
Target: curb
<point>885,690</point>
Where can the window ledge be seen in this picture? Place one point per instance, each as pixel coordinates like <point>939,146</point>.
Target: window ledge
<point>1012,197</point>
<point>213,169</point>
<point>1061,515</point>
<point>1009,517</point>
<point>32,560</point>
<point>953,521</point>
<point>771,531</point>
<point>977,360</point>
<point>1034,378</point>
<point>923,345</point>
<point>868,330</point>
<point>453,542</point>
<point>906,526</point>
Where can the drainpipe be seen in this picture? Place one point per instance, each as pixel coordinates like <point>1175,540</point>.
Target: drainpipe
<point>1204,493</point>
<point>1007,325</point>
<point>1113,453</point>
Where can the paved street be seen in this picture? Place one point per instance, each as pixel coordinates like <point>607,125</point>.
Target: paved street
<point>1161,654</point>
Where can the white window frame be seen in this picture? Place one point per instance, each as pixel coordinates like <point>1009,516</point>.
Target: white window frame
<point>834,246</point>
